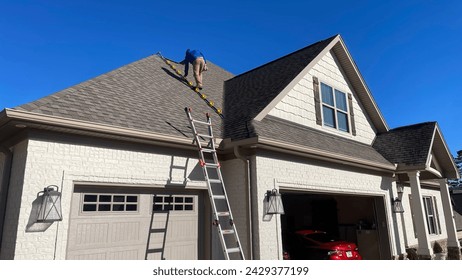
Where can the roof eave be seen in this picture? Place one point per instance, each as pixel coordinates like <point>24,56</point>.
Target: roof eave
<point>78,125</point>
<point>274,145</point>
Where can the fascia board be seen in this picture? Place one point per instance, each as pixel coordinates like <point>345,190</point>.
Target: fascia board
<point>12,114</point>
<point>446,150</point>
<point>429,152</point>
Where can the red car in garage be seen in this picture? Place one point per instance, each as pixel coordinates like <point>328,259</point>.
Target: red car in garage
<point>318,245</point>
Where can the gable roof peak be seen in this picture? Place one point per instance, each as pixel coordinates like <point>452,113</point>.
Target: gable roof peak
<point>324,42</point>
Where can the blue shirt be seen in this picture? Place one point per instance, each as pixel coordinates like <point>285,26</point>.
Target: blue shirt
<point>190,56</point>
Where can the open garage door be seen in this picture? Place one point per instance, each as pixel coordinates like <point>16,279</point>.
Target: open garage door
<point>351,218</point>
<point>132,224</point>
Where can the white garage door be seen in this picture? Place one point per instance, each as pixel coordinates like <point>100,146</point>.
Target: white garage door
<point>121,224</point>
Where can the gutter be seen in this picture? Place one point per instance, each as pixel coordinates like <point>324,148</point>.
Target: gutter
<point>249,205</point>
<point>5,188</point>
<point>95,127</point>
<point>278,146</point>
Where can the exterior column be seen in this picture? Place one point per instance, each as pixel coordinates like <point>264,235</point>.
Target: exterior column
<point>453,243</point>
<point>424,250</point>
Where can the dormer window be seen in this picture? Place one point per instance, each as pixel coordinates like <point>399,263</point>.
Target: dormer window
<point>334,108</point>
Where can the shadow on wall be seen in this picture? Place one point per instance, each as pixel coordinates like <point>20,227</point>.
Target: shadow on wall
<point>196,174</point>
<point>266,217</point>
<point>32,224</point>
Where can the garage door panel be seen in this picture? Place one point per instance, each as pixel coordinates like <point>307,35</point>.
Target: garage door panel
<point>88,233</point>
<point>125,232</point>
<point>114,253</point>
<point>169,233</point>
<point>181,251</point>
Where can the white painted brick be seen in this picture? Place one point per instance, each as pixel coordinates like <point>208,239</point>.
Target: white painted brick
<point>43,163</point>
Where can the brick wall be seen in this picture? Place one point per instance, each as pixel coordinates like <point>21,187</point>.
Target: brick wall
<point>43,163</point>
<point>298,105</point>
<point>234,177</point>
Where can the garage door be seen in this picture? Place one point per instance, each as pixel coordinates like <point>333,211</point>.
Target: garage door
<point>122,224</point>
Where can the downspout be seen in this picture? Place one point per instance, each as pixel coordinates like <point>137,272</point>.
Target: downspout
<point>5,188</point>
<point>249,199</point>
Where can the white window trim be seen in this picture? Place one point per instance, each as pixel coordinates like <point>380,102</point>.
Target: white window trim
<point>174,203</point>
<point>335,109</point>
<point>437,227</point>
<point>111,212</point>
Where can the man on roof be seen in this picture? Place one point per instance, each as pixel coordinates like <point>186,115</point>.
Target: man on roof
<point>197,59</point>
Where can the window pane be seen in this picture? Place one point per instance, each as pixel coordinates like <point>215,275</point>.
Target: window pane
<point>327,95</point>
<point>119,198</point>
<point>188,207</point>
<point>431,225</point>
<point>340,100</point>
<point>104,207</point>
<point>104,198</point>
<point>89,207</point>
<point>132,198</point>
<point>118,207</point>
<point>131,207</point>
<point>157,207</point>
<point>329,117</point>
<point>342,119</point>
<point>89,198</point>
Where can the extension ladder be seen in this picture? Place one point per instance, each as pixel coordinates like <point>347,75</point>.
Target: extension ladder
<point>222,216</point>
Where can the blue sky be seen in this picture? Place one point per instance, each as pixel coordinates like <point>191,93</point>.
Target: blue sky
<point>407,51</point>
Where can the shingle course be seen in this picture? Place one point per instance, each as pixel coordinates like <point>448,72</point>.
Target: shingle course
<point>408,145</point>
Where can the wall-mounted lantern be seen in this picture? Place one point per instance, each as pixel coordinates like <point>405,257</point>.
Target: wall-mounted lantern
<point>397,202</point>
<point>274,202</point>
<point>49,209</point>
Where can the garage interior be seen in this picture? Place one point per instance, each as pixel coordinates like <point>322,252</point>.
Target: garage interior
<point>353,218</point>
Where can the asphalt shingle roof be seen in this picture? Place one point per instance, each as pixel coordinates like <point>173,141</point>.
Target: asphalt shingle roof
<point>145,95</point>
<point>292,133</point>
<point>408,145</point>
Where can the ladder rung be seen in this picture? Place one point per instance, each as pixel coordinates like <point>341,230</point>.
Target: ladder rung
<point>178,167</point>
<point>222,213</point>
<point>215,181</point>
<point>207,150</point>
<point>201,122</point>
<point>233,250</point>
<point>227,231</point>
<point>155,250</point>
<point>204,135</point>
<point>219,197</point>
<point>157,230</point>
<point>212,165</point>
